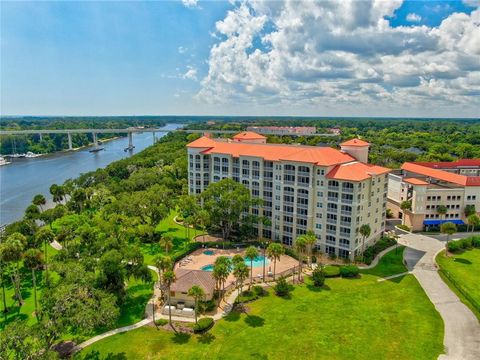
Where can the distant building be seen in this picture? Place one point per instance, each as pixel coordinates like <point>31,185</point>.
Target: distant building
<point>430,184</point>
<point>185,279</point>
<point>332,192</point>
<point>335,131</point>
<point>283,130</point>
<point>414,150</point>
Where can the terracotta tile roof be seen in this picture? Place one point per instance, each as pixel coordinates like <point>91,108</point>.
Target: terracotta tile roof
<point>415,181</point>
<point>356,171</point>
<point>442,175</point>
<point>186,278</point>
<point>203,142</point>
<point>355,142</point>
<point>322,156</point>
<point>248,135</point>
<point>451,164</point>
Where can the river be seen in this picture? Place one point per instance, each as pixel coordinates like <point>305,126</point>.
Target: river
<point>21,180</point>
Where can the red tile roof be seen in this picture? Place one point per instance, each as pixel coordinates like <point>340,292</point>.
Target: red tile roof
<point>203,142</point>
<point>442,175</point>
<point>322,156</point>
<point>355,142</point>
<point>451,164</point>
<point>356,171</point>
<point>248,135</point>
<point>415,181</point>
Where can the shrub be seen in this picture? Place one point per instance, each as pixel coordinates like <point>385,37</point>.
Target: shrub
<point>349,271</point>
<point>404,227</point>
<point>318,276</point>
<point>314,259</point>
<point>207,306</point>
<point>259,291</point>
<point>204,324</point>
<point>453,246</point>
<point>466,243</point>
<point>281,287</point>
<point>161,322</point>
<point>372,251</point>
<point>476,241</point>
<point>331,271</point>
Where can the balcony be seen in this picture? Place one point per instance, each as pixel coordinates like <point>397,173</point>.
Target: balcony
<point>333,199</point>
<point>347,201</point>
<point>345,223</point>
<point>331,232</point>
<point>347,190</point>
<point>344,234</point>
<point>347,213</point>
<point>303,173</point>
<point>333,188</point>
<point>330,242</point>
<point>332,221</point>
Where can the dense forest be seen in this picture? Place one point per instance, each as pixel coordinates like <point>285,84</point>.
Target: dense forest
<point>394,141</point>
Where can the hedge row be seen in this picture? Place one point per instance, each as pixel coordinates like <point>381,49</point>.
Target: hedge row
<point>463,244</point>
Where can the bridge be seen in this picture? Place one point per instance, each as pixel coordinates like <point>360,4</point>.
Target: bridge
<point>128,131</point>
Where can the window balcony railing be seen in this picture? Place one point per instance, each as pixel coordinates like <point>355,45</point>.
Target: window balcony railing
<point>330,242</point>
<point>332,221</point>
<point>334,199</point>
<point>347,190</point>
<point>303,184</point>
<point>344,212</point>
<point>344,234</point>
<point>347,201</point>
<point>331,232</point>
<point>334,188</point>
<point>345,223</point>
<point>303,173</point>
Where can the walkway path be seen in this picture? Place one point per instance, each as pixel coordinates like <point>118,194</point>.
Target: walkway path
<point>378,257</point>
<point>462,328</point>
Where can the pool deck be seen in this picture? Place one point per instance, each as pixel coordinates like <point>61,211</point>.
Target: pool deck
<point>199,259</point>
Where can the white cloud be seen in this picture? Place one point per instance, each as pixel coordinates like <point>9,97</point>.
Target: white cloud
<point>182,50</point>
<point>335,54</point>
<point>190,74</point>
<point>412,17</point>
<point>190,3</point>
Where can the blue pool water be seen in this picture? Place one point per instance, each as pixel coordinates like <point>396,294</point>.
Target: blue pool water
<point>209,252</point>
<point>257,262</point>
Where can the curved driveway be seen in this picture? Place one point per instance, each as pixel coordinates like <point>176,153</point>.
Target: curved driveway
<point>462,328</point>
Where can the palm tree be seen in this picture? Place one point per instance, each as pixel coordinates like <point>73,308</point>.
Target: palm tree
<point>3,270</point>
<point>251,253</point>
<point>168,279</point>
<point>32,259</point>
<point>442,209</point>
<point>241,274</point>
<point>45,236</point>
<point>221,270</point>
<point>473,220</point>
<point>203,217</point>
<point>300,246</point>
<point>237,259</point>
<point>162,263</point>
<point>274,251</point>
<point>39,200</point>
<point>405,205</point>
<point>11,251</point>
<point>197,293</point>
<point>448,228</point>
<point>166,242</point>
<point>365,231</point>
<point>310,240</point>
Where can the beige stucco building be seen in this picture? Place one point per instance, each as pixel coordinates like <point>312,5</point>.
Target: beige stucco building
<point>332,192</point>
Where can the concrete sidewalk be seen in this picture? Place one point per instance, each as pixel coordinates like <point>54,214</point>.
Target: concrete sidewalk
<point>462,328</point>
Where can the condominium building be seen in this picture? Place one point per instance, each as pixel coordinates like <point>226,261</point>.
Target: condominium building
<point>332,192</point>
<point>283,130</point>
<point>429,185</point>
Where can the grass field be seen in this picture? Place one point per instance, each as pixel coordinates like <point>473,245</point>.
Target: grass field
<point>168,227</point>
<point>346,319</point>
<point>464,268</point>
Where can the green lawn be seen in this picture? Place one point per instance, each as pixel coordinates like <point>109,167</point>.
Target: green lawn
<point>390,264</point>
<point>346,319</point>
<point>178,233</point>
<point>464,268</point>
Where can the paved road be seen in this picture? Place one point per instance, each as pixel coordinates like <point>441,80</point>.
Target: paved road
<point>462,328</point>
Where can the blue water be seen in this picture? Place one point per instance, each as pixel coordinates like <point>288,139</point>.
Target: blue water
<point>257,262</point>
<point>209,252</point>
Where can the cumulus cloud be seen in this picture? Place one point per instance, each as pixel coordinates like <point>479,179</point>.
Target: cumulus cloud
<point>190,3</point>
<point>329,53</point>
<point>412,17</point>
<point>182,50</point>
<point>190,74</point>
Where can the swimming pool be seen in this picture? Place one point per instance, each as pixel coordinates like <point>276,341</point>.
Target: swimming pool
<point>209,252</point>
<point>257,262</point>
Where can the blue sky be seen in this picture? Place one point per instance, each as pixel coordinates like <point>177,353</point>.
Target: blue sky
<point>170,57</point>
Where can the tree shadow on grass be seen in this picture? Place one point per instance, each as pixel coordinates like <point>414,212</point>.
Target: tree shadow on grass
<point>233,316</point>
<point>181,338</point>
<point>254,321</point>
<point>206,338</point>
<point>462,261</point>
<point>314,288</point>
<point>95,355</point>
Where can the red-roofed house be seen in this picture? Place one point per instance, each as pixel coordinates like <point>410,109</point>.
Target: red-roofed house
<point>332,192</point>
<point>455,185</point>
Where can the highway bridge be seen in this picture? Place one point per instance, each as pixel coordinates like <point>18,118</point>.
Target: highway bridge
<point>128,131</point>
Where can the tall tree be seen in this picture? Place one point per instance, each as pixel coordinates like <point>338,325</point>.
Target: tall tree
<point>473,220</point>
<point>310,240</point>
<point>365,231</point>
<point>45,236</point>
<point>405,205</point>
<point>202,218</point>
<point>57,192</point>
<point>274,252</point>
<point>39,200</point>
<point>226,201</point>
<point>32,259</point>
<point>221,270</point>
<point>251,254</point>
<point>240,271</point>
<point>442,210</point>
<point>300,247</point>
<point>32,212</point>
<point>11,251</point>
<point>168,280</point>
<point>166,242</point>
<point>449,229</point>
<point>197,293</point>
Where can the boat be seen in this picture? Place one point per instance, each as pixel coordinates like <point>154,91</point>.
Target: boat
<point>31,155</point>
<point>97,149</point>
<point>17,155</point>
<point>3,161</point>
<point>129,148</point>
